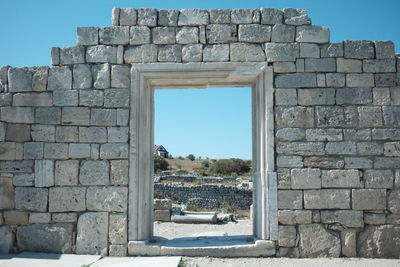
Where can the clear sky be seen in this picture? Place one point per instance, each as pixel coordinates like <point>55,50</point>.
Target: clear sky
<point>30,28</point>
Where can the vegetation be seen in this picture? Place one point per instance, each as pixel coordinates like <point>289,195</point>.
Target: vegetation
<point>230,167</point>
<point>227,207</point>
<point>191,157</point>
<point>193,207</point>
<point>160,164</point>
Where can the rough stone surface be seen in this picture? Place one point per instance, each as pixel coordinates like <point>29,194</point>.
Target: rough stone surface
<point>82,76</point>
<point>347,218</point>
<point>163,35</point>
<point>114,151</point>
<point>246,52</point>
<point>17,114</point>
<point>68,198</point>
<point>315,241</point>
<point>168,17</point>
<point>118,229</point>
<point>294,117</point>
<point>72,55</point>
<point>112,199</point>
<point>94,172</point>
<point>192,53</point>
<point>312,34</point>
<point>6,193</point>
<point>39,218</point>
<point>327,199</point>
<point>369,199</point>
<point>88,35</point>
<point>101,54</point>
<point>66,172</point>
<point>341,179</point>
<point>92,233</point>
<point>254,33</point>
<point>325,96</point>
<point>242,16</point>
<point>20,79</point>
<point>378,179</point>
<point>287,236</point>
<point>290,199</point>
<point>394,201</point>
<point>170,53</point>
<point>306,178</point>
<point>114,35</point>
<point>296,80</point>
<point>31,199</point>
<point>127,16</point>
<point>24,179</point>
<point>271,16</point>
<point>378,242</point>
<point>60,77</point>
<point>359,49</point>
<point>296,16</point>
<point>294,217</point>
<point>141,54</point>
<point>7,239</point>
<point>216,52</point>
<point>281,52</point>
<point>221,33</point>
<point>193,16</point>
<point>44,173</point>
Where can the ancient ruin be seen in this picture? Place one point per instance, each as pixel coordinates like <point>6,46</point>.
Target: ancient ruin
<point>76,169</point>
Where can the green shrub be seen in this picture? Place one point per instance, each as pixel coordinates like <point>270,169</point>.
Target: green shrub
<point>160,164</point>
<point>229,167</point>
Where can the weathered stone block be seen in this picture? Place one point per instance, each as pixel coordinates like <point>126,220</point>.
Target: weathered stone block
<point>17,166</point>
<point>221,33</point>
<point>392,149</point>
<point>94,172</point>
<point>118,229</point>
<point>79,151</point>
<point>95,151</point>
<point>72,55</point>
<point>316,241</point>
<point>82,76</point>
<point>306,178</point>
<point>385,79</point>
<point>50,238</point>
<point>289,161</point>
<point>147,17</point>
<point>127,16</point>
<point>283,178</point>
<point>17,114</point>
<point>379,65</point>
<point>287,236</point>
<point>285,97</point>
<point>32,199</point>
<point>242,16</point>
<point>374,218</point>
<point>216,52</point>
<point>271,16</point>
<point>76,115</point>
<point>391,115</point>
<point>117,251</point>
<point>346,218</point>
<point>341,179</point>
<point>32,99</point>
<point>192,53</point>
<point>282,52</point>
<point>360,80</point>
<point>106,117</point>
<point>119,172</point>
<point>65,98</point>
<point>65,217</point>
<point>332,50</point>
<point>283,67</point>
<point>24,179</point>
<point>66,134</point>
<point>14,217</point>
<point>39,218</point>
<point>328,134</point>
<point>162,215</point>
<point>300,148</point>
<point>114,35</point>
<point>349,243</point>
<point>116,98</point>
<point>294,217</point>
<point>55,56</point>
<point>394,95</point>
<point>246,52</point>
<point>33,150</point>
<point>359,49</point>
<point>92,134</point>
<point>312,34</point>
<point>168,17</point>
<point>357,163</point>
<point>296,80</point>
<point>8,151</point>
<point>294,116</point>
<point>101,76</point>
<point>394,201</point>
<point>139,35</point>
<point>20,79</point>
<point>381,96</point>
<point>282,33</point>
<point>378,242</point>
<point>66,172</point>
<point>67,198</point>
<point>340,148</point>
<point>6,193</point>
<point>44,173</point>
<point>369,199</point>
<point>170,53</point>
<point>325,96</point>
<point>320,64</point>
<point>112,198</point>
<point>290,134</point>
<point>118,134</point>
<point>336,116</point>
<point>386,163</point>
<point>324,162</point>
<point>88,35</point>
<point>92,236</point>
<point>141,54</point>
<point>290,199</point>
<point>370,116</point>
<point>220,16</point>
<point>296,16</point>
<point>18,132</point>
<point>7,239</point>
<point>349,65</point>
<point>114,151</point>
<point>55,151</point>
<point>60,78</point>
<point>378,179</point>
<point>187,35</point>
<point>353,96</point>
<point>327,199</point>
<point>120,76</point>
<point>253,33</point>
<point>91,98</point>
<point>384,49</point>
<point>48,115</point>
<point>193,16</point>
<point>101,54</point>
<point>369,148</point>
<point>309,50</point>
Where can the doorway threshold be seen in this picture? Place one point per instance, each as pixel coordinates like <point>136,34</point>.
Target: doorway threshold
<point>212,246</point>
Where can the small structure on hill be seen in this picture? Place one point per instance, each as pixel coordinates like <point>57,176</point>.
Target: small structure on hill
<point>161,151</point>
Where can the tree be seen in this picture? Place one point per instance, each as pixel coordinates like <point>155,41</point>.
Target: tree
<point>160,164</point>
<point>230,167</point>
<point>191,157</point>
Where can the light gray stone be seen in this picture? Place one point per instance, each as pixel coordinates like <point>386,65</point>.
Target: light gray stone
<point>193,16</point>
<point>242,16</point>
<point>349,65</point>
<point>294,116</point>
<point>341,179</point>
<point>285,97</point>
<point>168,17</point>
<point>116,98</point>
<point>114,151</point>
<point>3,131</point>
<point>33,150</point>
<point>340,148</point>
<point>55,151</point>
<point>64,217</point>
<point>48,115</point>
<point>60,78</point>
<point>294,217</point>
<point>103,117</point>
<point>101,76</point>
<point>118,134</point>
<point>72,55</point>
<point>7,193</point>
<point>281,52</point>
<point>332,50</point>
<point>254,33</point>
<point>5,99</point>
<point>66,172</point>
<point>391,115</point>
<point>287,236</point>
<point>4,74</point>
<point>354,96</point>
<point>17,114</point>
<point>378,179</point>
<point>92,236</point>
<point>283,178</point>
<point>282,33</point>
<point>220,16</point>
<point>328,134</point>
<point>271,16</point>
<point>127,16</point>
<point>335,79</point>
<point>216,52</point>
<point>163,35</point>
<point>306,178</point>
<point>392,149</point>
<point>170,53</point>
<point>39,78</point>
<point>359,49</point>
<point>66,134</point>
<point>394,201</point>
<point>316,241</point>
<point>357,134</point>
<point>31,199</point>
<point>20,79</point>
<point>65,98</point>
<point>246,52</point>
<point>141,54</point>
<point>327,199</point>
<point>147,17</point>
<point>24,179</point>
<point>385,79</point>
<point>369,199</point>
<point>283,67</point>
<point>139,35</point>
<point>395,95</point>
<point>115,16</point>
<point>119,172</point>
<point>221,33</point>
<point>312,34</point>
<point>92,134</point>
<point>336,116</point>
<point>386,162</point>
<point>95,150</point>
<point>320,64</point>
<point>18,132</point>
<point>369,148</point>
<point>7,151</point>
<point>290,134</point>
<point>39,218</point>
<point>94,172</point>
<point>117,251</point>
<point>289,161</point>
<point>192,53</point>
<point>300,148</point>
<point>290,199</point>
<point>87,35</point>
<point>370,116</point>
<point>79,151</point>
<point>118,229</point>
<point>357,163</point>
<point>187,35</point>
<point>101,54</point>
<point>114,35</point>
<point>202,34</point>
<point>17,166</point>
<point>296,16</point>
<point>112,198</point>
<point>311,97</point>
<point>378,242</point>
<point>91,98</point>
<point>67,198</point>
<point>14,217</point>
<point>309,50</point>
<point>44,173</point>
<point>55,56</point>
<point>82,76</point>
<point>374,218</point>
<point>384,49</point>
<point>76,115</point>
<point>379,65</point>
<point>296,80</point>
<point>346,218</point>
<point>46,238</point>
<point>120,76</point>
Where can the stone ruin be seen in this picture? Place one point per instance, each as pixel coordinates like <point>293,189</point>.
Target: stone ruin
<point>73,152</point>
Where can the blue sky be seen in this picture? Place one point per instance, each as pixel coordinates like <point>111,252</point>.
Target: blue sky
<point>30,28</point>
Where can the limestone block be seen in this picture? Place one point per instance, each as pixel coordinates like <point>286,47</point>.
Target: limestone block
<point>385,79</point>
<point>394,95</point>
<point>94,172</point>
<point>285,97</point>
<point>222,16</point>
<point>316,241</point>
<point>72,55</point>
<point>374,218</point>
<point>336,116</point>
<point>354,96</point>
<point>187,35</point>
<point>306,178</point>
<point>357,163</point>
<point>242,16</point>
<point>147,17</point>
<point>359,49</point>
<point>92,233</point>
<point>115,16</point>
<point>340,148</point>
<point>346,218</point>
<point>170,53</point>
<point>246,52</point>
<point>116,98</point>
<point>139,35</point>
<point>162,204</point>
<point>294,117</point>
<point>118,134</point>
<point>287,236</point>
<point>8,151</point>
<point>282,33</point>
<point>202,34</point>
<point>357,134</point>
<point>296,80</point>
<point>24,179</point>
<point>114,35</point>
<point>48,115</point>
<point>394,201</point>
<point>48,238</point>
<point>2,131</point>
<point>349,243</point>
<point>75,115</point>
<point>101,54</point>
<point>67,198</point>
<point>221,33</point>
<point>300,65</point>
<point>384,49</point>
<point>55,56</point>
<point>117,251</point>
<point>163,35</point>
<point>349,65</point>
<point>385,134</point>
<point>91,98</point>
<point>168,17</point>
<point>378,179</point>
<point>17,114</point>
<point>379,65</point>
<point>33,150</point>
<point>79,151</point>
<point>39,218</point>
<point>6,193</point>
<point>141,54</point>
<point>332,50</point>
<point>368,199</point>
<point>281,52</point>
<point>294,217</point>
<point>31,199</point>
<point>67,134</point>
<point>162,215</point>
<point>369,148</point>
<point>14,217</point>
<point>65,98</point>
<point>312,34</point>
<point>5,99</point>
<point>7,239</point>
<point>283,178</point>
<point>393,219</point>
<point>320,64</point>
<point>18,132</point>
<point>82,76</point>
<point>216,52</point>
<point>325,96</point>
<point>95,151</point>
<point>87,35</point>
<point>370,116</point>
<point>101,76</point>
<point>118,229</point>
<point>119,172</point>
<point>293,16</point>
<point>391,115</point>
<point>289,161</point>
<point>392,149</point>
<point>4,74</point>
<point>66,172</point>
<point>17,166</point>
<point>103,117</point>
<point>378,242</point>
<point>127,17</point>
<point>60,77</point>
<point>341,179</point>
<point>290,134</point>
<point>111,198</point>
<point>55,151</point>
<point>122,117</point>
<point>300,148</point>
<point>310,51</point>
<point>120,76</point>
<point>271,16</point>
<point>328,134</point>
<point>192,53</point>
<point>282,67</point>
<point>64,217</point>
<point>39,78</point>
<point>114,151</point>
<point>335,79</point>
<point>92,134</point>
<point>44,173</point>
<point>386,163</point>
<point>254,33</point>
<point>20,79</point>
<point>290,199</point>
<point>327,199</point>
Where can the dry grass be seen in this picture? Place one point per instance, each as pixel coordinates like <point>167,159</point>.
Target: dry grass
<point>185,164</point>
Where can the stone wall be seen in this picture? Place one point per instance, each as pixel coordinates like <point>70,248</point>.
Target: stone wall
<point>64,131</point>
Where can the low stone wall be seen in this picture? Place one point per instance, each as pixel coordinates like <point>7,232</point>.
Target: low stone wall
<point>208,196</point>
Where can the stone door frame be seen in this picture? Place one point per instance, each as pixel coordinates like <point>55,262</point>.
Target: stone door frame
<point>145,78</point>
